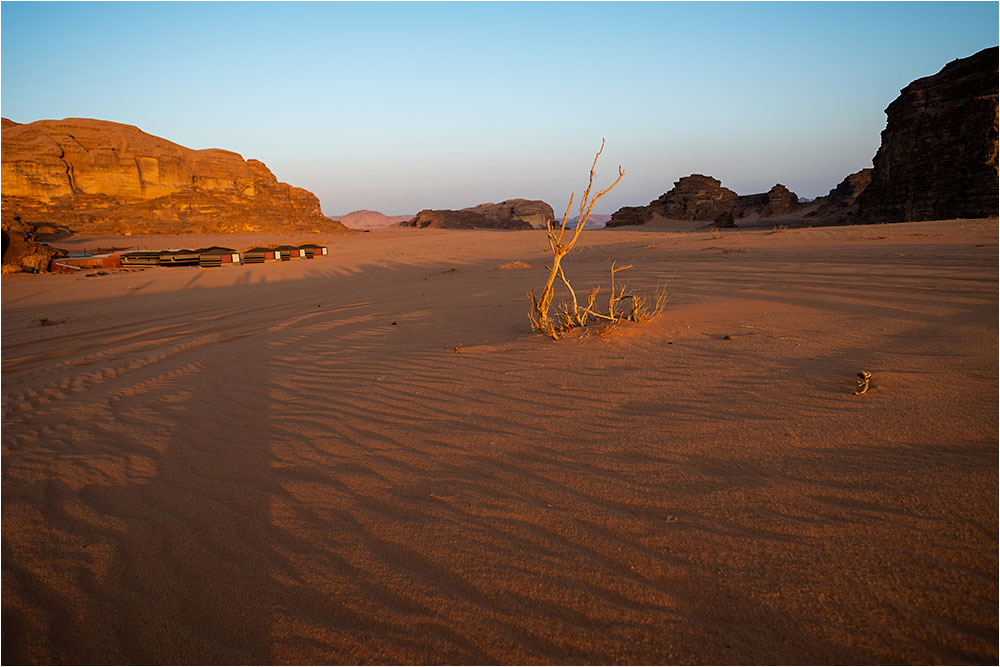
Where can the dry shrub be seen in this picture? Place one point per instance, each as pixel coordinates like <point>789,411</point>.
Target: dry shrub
<point>569,315</point>
<point>514,265</point>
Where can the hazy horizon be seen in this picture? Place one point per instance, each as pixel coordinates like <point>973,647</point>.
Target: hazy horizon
<point>398,107</point>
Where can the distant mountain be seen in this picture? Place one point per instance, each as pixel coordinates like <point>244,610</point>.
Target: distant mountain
<point>365,219</point>
<point>595,220</point>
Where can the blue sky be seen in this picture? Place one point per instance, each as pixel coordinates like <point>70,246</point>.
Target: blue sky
<point>403,106</point>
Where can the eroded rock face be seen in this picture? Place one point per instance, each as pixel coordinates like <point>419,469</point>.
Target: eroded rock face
<point>532,211</point>
<point>938,158</point>
<point>700,197</point>
<point>510,214</point>
<point>776,202</point>
<point>101,177</point>
<point>695,197</point>
<point>447,219</point>
<point>630,215</point>
<point>842,198</point>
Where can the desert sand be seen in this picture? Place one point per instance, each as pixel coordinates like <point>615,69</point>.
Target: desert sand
<point>370,458</point>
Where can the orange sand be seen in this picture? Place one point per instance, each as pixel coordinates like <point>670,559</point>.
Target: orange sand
<point>292,464</point>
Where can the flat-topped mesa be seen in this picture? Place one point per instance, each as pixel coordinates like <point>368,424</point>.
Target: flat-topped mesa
<point>100,177</point>
<point>938,158</point>
<point>699,197</point>
<point>509,214</point>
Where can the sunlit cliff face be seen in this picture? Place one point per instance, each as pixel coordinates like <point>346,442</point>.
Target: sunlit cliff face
<point>98,175</point>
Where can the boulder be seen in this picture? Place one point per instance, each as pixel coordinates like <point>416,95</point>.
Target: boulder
<point>725,219</point>
<point>100,177</point>
<point>938,156</point>
<point>21,250</point>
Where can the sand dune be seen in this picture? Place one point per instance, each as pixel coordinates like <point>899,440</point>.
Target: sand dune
<point>369,458</point>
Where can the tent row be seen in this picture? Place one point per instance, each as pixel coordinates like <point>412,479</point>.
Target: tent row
<point>218,256</point>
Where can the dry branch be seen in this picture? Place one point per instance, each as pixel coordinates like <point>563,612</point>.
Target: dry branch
<point>573,315</point>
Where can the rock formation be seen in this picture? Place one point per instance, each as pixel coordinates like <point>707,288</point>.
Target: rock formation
<point>510,214</point>
<point>695,197</point>
<point>22,251</point>
<point>699,197</point>
<point>938,158</point>
<point>628,216</point>
<point>840,200</point>
<point>776,202</point>
<point>532,211</point>
<point>463,219</point>
<point>100,177</point>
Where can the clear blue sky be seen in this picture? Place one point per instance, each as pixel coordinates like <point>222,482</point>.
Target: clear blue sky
<point>402,106</point>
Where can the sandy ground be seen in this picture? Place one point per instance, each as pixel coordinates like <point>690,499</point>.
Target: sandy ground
<point>369,458</point>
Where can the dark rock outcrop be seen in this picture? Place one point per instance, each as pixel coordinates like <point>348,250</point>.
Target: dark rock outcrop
<point>699,197</point>
<point>448,219</point>
<point>100,177</point>
<point>841,199</point>
<point>510,214</point>
<point>21,250</point>
<point>776,202</point>
<point>695,197</point>
<point>938,158</point>
<point>630,215</point>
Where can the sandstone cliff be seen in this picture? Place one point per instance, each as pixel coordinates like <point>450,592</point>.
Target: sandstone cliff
<point>700,197</point>
<point>100,177</point>
<point>510,214</point>
<point>938,158</point>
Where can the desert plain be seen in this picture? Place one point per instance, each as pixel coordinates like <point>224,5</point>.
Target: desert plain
<point>371,458</point>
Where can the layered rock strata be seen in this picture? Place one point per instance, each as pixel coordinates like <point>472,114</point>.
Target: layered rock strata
<point>100,177</point>
<point>938,158</point>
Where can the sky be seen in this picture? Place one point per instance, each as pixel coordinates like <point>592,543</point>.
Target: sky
<point>400,106</point>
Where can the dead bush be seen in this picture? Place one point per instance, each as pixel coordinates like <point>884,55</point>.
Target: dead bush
<point>622,305</point>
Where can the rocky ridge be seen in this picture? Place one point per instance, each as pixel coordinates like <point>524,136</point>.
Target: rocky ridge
<point>509,214</point>
<point>938,157</point>
<point>700,197</point>
<point>100,177</point>
<point>937,161</point>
